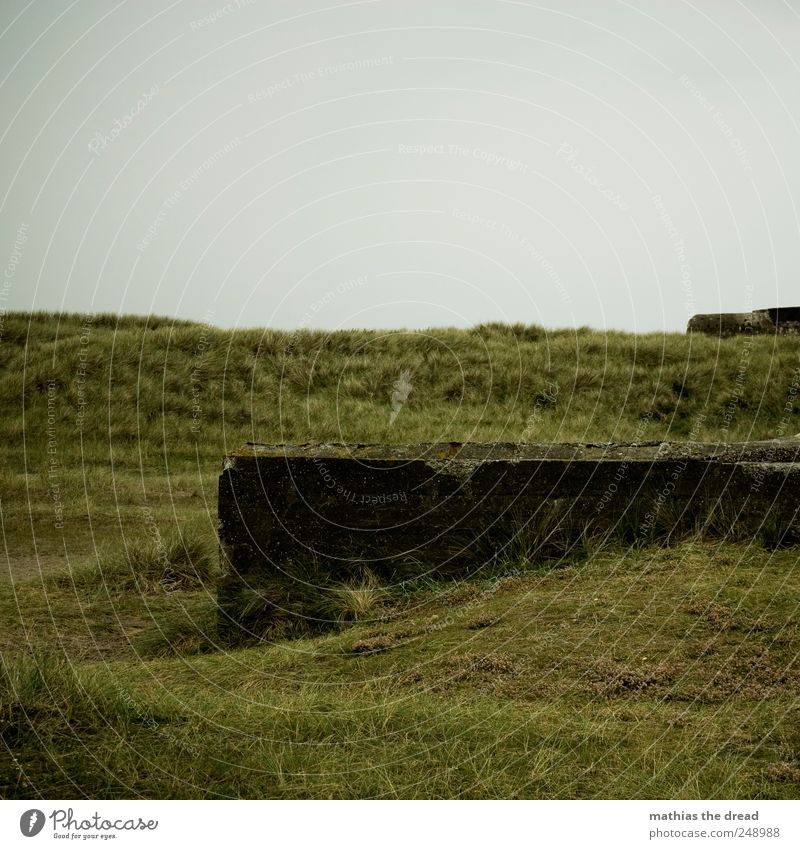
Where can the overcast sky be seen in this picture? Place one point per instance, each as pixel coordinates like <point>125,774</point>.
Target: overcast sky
<point>392,163</point>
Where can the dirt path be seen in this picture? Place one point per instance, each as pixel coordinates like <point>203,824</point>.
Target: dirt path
<point>23,567</point>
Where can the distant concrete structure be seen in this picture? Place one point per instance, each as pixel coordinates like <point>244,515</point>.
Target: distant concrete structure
<point>783,321</point>
<point>294,516</point>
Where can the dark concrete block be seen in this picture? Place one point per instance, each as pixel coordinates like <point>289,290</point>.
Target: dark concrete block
<point>783,321</point>
<point>294,515</point>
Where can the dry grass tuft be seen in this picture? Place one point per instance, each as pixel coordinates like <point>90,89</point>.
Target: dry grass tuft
<point>357,600</point>
<point>609,679</point>
<point>480,622</point>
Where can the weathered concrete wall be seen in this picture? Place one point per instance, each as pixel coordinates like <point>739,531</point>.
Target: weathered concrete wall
<point>286,512</point>
<point>784,321</point>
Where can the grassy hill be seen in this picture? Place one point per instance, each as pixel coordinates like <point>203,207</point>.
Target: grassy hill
<point>657,672</point>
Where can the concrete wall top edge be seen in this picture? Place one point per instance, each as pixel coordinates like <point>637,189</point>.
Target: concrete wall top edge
<point>784,450</point>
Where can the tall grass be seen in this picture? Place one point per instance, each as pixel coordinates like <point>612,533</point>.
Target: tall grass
<point>146,564</point>
<point>158,393</point>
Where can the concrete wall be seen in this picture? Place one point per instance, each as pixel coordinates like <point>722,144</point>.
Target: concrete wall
<point>784,321</point>
<point>293,515</point>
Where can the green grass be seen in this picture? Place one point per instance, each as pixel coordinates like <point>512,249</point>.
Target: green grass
<point>597,671</point>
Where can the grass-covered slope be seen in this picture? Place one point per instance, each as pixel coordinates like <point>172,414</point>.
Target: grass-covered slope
<point>658,672</point>
<point>143,384</point>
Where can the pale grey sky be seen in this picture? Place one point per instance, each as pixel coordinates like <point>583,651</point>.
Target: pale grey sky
<point>400,163</point>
